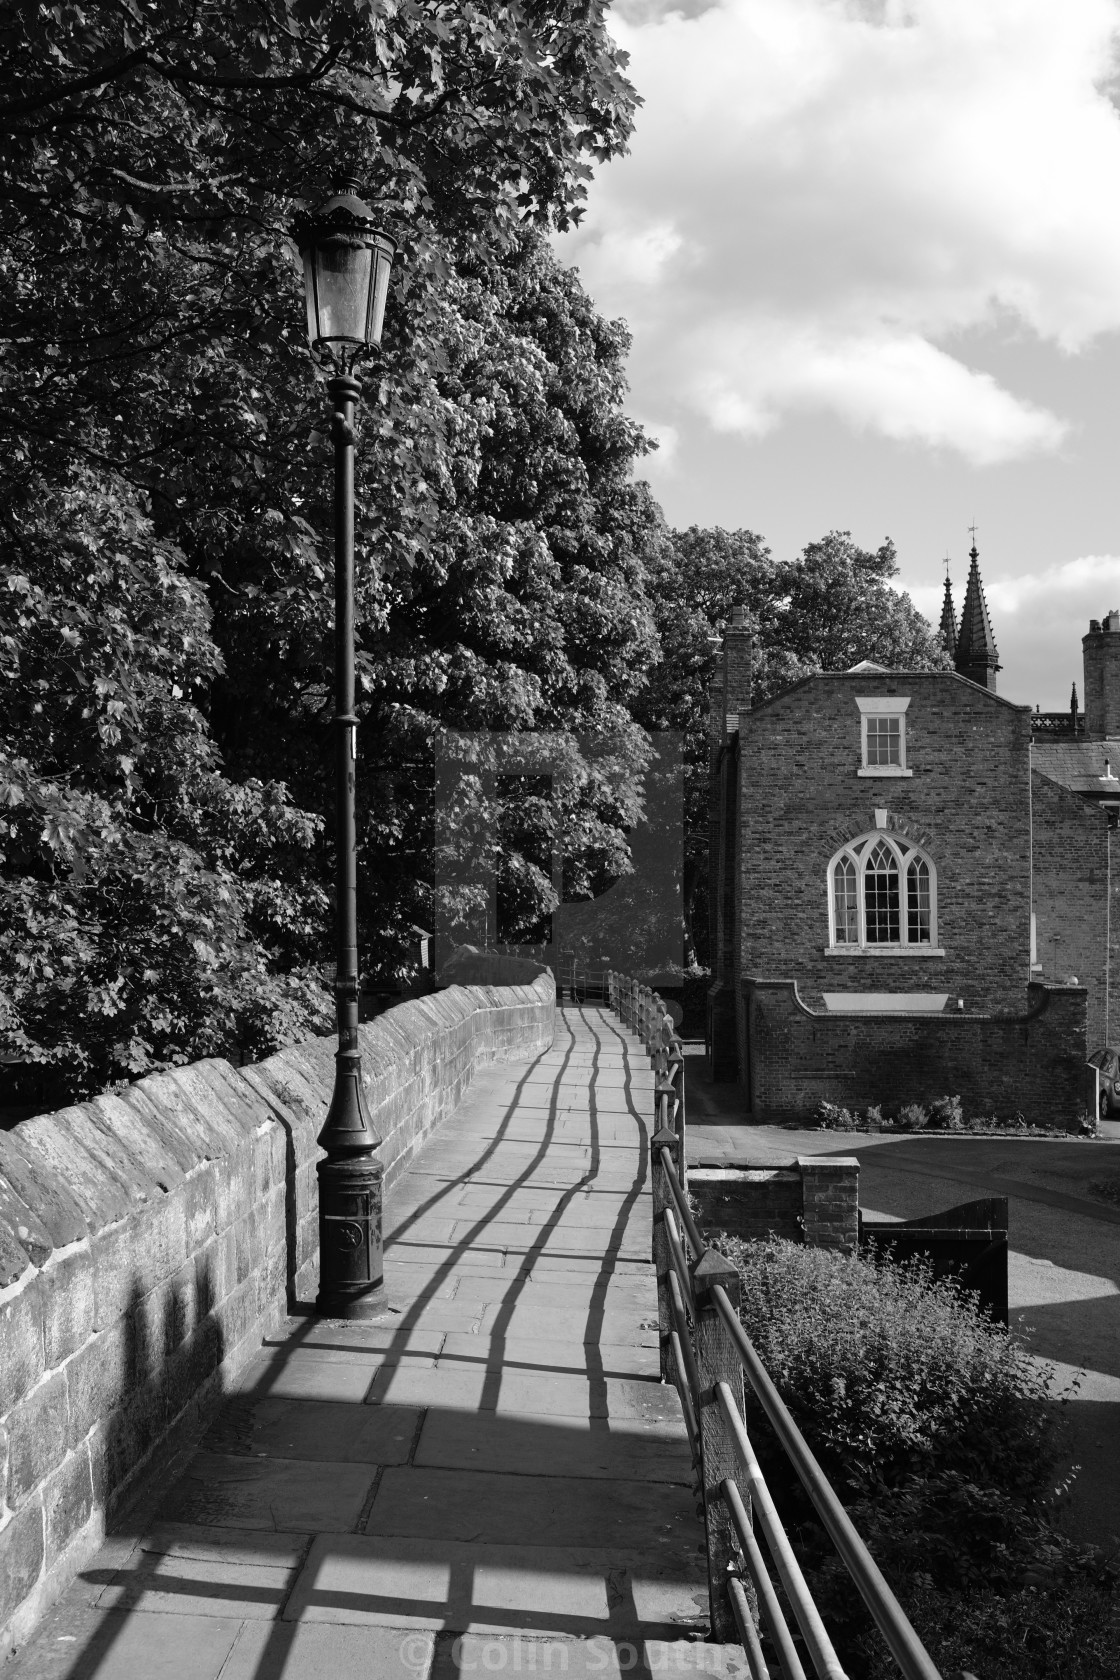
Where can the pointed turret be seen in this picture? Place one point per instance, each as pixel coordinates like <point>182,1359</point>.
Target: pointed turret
<point>948,628</point>
<point>976,656</point>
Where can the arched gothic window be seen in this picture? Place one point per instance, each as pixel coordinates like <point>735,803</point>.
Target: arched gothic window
<point>881,892</point>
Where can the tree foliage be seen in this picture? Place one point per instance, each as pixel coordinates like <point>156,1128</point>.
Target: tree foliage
<point>154,910</point>
<point>162,429</point>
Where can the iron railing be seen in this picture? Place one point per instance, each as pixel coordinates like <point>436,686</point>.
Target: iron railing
<point>706,1353</point>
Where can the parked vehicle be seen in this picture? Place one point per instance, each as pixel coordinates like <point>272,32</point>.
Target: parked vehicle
<point>1107,1063</point>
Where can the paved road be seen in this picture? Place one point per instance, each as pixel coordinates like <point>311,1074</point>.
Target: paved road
<point>491,1469</point>
<point>1064,1269</point>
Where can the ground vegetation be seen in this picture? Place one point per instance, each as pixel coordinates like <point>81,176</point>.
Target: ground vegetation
<point>940,1434</point>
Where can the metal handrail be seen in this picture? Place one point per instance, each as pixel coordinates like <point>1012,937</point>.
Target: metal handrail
<point>680,1383</point>
<point>691,1229</point>
<point>680,1319</point>
<point>639,1007</point>
<point>756,1662</point>
<point>676,1250</point>
<point>813,1631</point>
<point>905,1646</point>
<point>764,1586</point>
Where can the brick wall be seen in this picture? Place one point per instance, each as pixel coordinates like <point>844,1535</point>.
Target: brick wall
<point>966,804</point>
<point>811,1199</point>
<point>1071,871</point>
<point>1032,1063</point>
<point>148,1239</point>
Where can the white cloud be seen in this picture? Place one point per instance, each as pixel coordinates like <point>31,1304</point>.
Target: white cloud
<point>823,194</point>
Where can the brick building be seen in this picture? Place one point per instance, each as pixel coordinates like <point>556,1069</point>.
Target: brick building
<point>911,881</point>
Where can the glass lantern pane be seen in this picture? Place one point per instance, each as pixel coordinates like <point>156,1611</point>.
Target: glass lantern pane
<point>380,290</point>
<point>309,295</point>
<point>342,273</point>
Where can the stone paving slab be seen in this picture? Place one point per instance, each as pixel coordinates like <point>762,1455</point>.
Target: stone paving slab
<point>533,1353</point>
<point>502,1508</point>
<point>588,1659</point>
<point>224,1490</point>
<point>488,1475</point>
<point>469,1587</point>
<point>631,1291</point>
<point>570,1324</point>
<point>647,1451</point>
<point>540,1393</point>
<point>279,1428</point>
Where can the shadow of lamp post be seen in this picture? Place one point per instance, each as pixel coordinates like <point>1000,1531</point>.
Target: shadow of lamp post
<point>346,266</point>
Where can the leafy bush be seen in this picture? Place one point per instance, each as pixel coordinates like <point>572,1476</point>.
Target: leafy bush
<point>830,1118</point>
<point>929,1420</point>
<point>890,1372</point>
<point>943,1114</point>
<point>946,1114</point>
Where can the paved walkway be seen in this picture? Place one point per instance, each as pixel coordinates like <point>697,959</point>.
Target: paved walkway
<point>491,1479</point>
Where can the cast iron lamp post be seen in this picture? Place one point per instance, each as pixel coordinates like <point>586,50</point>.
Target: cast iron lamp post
<point>346,266</point>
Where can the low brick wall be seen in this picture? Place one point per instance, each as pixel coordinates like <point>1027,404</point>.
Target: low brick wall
<point>810,1199</point>
<point>151,1237</point>
<point>1033,1064</point>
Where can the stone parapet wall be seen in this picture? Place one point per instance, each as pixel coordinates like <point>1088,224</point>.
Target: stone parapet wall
<point>1032,1064</point>
<point>151,1237</point>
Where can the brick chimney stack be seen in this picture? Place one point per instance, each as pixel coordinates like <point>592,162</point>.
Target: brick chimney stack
<point>738,649</point>
<point>1101,648</point>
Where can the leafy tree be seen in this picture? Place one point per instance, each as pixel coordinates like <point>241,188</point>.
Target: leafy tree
<point>523,608</point>
<point>159,399</point>
<point>153,910</point>
<point>827,610</point>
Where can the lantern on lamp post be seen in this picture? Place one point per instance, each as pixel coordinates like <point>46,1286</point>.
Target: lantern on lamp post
<point>346,266</point>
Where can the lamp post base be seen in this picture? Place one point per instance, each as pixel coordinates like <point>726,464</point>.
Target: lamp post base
<point>351,1268</point>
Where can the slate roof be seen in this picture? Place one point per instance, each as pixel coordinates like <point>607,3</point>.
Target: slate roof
<point>1079,765</point>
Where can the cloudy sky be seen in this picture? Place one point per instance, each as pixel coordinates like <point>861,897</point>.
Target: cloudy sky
<point>869,251</point>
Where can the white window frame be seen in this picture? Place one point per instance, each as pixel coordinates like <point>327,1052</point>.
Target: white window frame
<point>905,853</point>
<point>886,706</point>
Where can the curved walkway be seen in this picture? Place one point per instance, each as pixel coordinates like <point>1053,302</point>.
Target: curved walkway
<point>490,1478</point>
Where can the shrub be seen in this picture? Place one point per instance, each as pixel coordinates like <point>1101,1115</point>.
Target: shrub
<point>830,1118</point>
<point>912,1118</point>
<point>890,1372</point>
<point>946,1114</point>
<point>929,1420</point>
<point>989,1585</point>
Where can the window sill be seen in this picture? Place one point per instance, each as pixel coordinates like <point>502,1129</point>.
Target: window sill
<point>911,951</point>
<point>884,770</point>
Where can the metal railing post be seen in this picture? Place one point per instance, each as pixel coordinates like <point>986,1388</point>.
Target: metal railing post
<point>717,1361</point>
<point>662,1257</point>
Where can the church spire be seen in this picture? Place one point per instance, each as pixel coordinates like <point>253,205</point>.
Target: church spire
<point>976,656</point>
<point>947,630</point>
